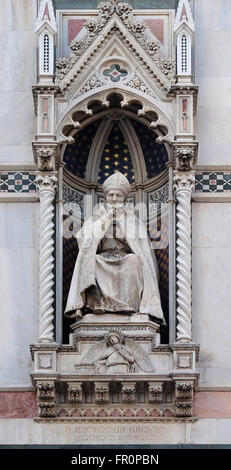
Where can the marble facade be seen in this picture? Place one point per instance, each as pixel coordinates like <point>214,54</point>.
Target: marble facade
<point>19,254</point>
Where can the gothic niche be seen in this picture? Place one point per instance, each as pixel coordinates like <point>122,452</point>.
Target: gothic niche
<point>116,142</point>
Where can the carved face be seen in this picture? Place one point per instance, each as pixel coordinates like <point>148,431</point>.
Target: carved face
<point>115,197</point>
<point>114,339</point>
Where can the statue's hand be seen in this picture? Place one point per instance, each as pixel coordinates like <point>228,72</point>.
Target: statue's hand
<point>78,313</point>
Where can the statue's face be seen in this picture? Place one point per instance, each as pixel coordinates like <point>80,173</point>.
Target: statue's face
<point>114,339</point>
<point>115,197</point>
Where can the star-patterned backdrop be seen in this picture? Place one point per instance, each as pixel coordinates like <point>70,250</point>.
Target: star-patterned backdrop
<point>76,155</point>
<point>155,155</point>
<point>116,157</point>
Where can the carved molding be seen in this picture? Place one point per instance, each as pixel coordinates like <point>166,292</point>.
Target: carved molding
<point>183,185</point>
<point>46,187</point>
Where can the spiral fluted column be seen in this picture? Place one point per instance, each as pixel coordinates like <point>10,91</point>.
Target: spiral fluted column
<point>183,185</point>
<point>46,186</point>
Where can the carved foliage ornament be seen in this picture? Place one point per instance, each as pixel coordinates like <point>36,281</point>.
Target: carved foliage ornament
<point>94,26</point>
<point>75,393</point>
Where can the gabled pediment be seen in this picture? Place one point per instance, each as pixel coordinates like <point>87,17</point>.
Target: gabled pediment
<point>114,66</point>
<point>115,34</point>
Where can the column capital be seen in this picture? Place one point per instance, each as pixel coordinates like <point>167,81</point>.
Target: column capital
<point>184,181</point>
<point>46,183</point>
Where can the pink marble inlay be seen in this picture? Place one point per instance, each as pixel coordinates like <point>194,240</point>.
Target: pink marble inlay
<point>46,12</point>
<point>45,114</point>
<point>212,404</point>
<point>74,27</point>
<point>185,117</point>
<point>18,405</point>
<point>156,26</point>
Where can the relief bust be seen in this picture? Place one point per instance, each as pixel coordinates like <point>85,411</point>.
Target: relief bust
<point>116,270</point>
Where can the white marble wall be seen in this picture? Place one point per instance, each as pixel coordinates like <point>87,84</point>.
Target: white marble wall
<point>213,75</point>
<point>212,291</point>
<point>18,59</point>
<point>18,291</point>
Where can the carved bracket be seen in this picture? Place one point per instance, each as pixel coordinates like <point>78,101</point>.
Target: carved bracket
<point>184,156</point>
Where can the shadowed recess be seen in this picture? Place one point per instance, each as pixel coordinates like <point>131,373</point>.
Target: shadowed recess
<point>116,157</point>
<point>155,155</point>
<point>76,155</point>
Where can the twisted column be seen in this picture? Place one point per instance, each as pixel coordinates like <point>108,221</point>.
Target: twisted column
<point>183,185</point>
<point>46,186</point>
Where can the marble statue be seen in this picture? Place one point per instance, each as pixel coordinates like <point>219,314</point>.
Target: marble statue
<point>116,270</point>
<point>117,354</point>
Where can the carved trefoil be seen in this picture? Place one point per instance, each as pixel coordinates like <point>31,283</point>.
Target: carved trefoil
<point>101,392</point>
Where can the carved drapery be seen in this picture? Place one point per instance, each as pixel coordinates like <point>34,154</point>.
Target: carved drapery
<point>46,187</point>
<point>183,185</point>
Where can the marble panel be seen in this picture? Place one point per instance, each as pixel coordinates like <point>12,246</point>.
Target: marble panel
<point>6,431</point>
<point>18,15</point>
<point>15,130</point>
<point>18,291</point>
<point>202,431</point>
<point>213,133</point>
<point>19,226</point>
<point>213,16</point>
<point>19,73</point>
<point>210,404</point>
<point>18,404</point>
<point>211,225</point>
<point>215,92</point>
<point>224,431</point>
<point>14,155</point>
<point>209,57</point>
<point>27,431</point>
<point>211,313</point>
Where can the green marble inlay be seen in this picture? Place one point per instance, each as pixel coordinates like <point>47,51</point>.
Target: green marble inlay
<point>92,4</point>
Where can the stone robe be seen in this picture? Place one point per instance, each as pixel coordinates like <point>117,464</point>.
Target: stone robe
<point>115,270</point>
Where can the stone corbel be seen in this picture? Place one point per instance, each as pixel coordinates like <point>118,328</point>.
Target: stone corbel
<point>74,392</point>
<point>184,398</point>
<point>46,399</point>
<point>155,392</point>
<point>184,155</point>
<point>46,156</point>
<point>102,392</point>
<point>128,392</point>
